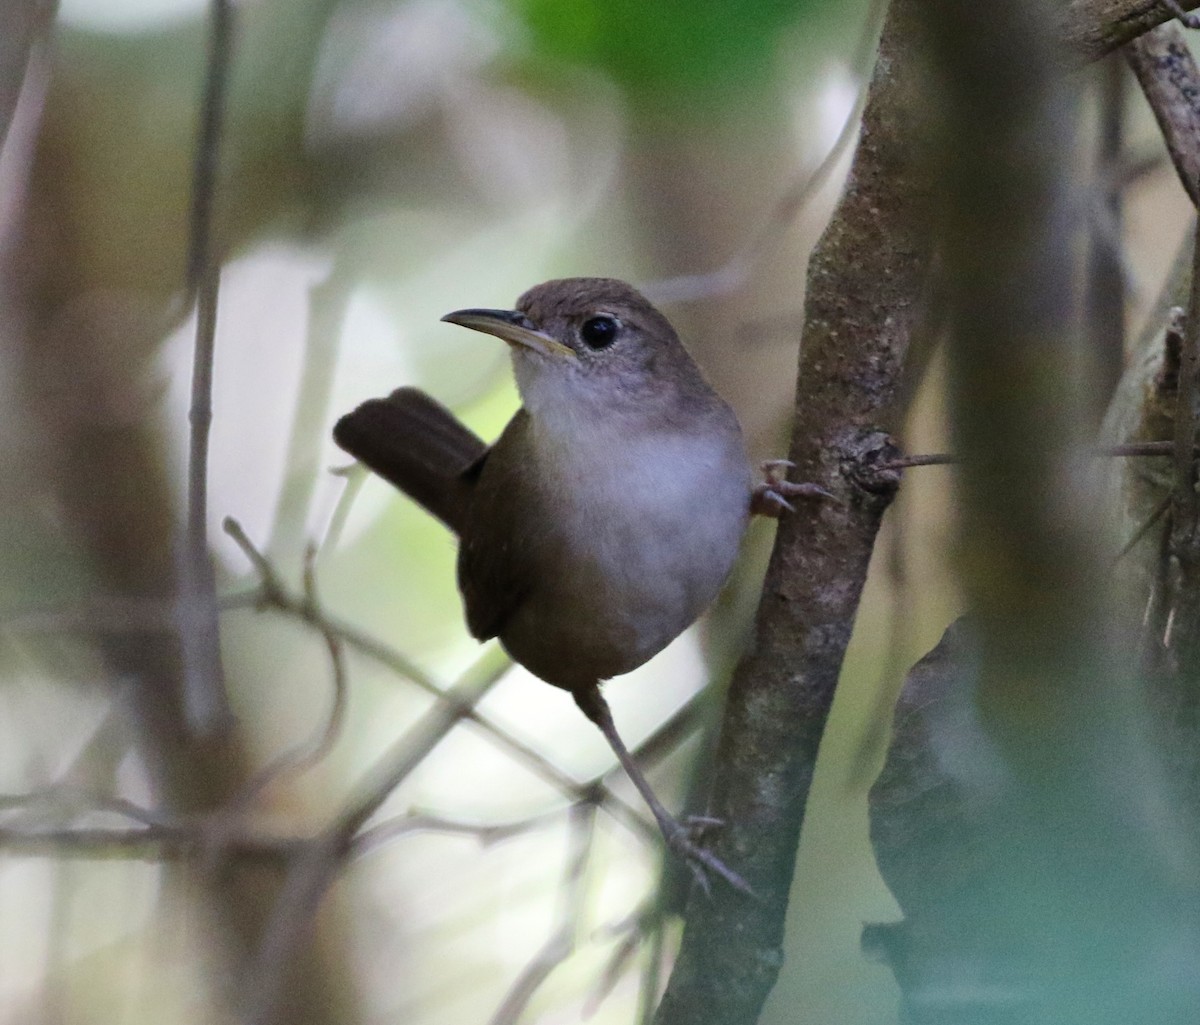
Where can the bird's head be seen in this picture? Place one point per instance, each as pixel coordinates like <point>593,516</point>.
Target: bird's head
<point>589,341</point>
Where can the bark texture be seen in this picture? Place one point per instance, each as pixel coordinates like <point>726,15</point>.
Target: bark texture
<point>864,282</point>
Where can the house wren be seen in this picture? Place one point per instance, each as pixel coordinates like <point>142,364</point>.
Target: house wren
<point>609,512</point>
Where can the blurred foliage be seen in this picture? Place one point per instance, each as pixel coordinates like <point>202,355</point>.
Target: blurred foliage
<point>702,49</point>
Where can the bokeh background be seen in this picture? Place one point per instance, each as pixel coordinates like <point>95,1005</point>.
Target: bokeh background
<point>383,163</point>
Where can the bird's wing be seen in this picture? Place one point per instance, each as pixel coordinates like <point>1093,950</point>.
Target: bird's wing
<point>418,445</point>
<point>494,564</point>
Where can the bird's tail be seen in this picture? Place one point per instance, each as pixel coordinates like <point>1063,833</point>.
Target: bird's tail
<point>418,445</point>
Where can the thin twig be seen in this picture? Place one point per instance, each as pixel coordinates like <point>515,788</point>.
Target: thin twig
<point>651,983</point>
<point>308,752</point>
<point>314,870</point>
<point>1131,449</point>
<point>155,844</point>
<point>561,944</point>
<point>1157,514</point>
<point>208,143</point>
<point>206,704</point>
<point>614,968</point>
<point>272,594</point>
<point>487,833</point>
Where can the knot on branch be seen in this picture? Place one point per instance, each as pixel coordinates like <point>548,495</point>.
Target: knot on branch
<point>868,460</point>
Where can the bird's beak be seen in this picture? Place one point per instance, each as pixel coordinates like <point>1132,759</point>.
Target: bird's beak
<point>513,327</point>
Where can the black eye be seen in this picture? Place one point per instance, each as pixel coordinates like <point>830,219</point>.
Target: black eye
<point>600,332</point>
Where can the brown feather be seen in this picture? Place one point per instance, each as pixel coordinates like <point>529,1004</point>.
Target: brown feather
<point>418,445</point>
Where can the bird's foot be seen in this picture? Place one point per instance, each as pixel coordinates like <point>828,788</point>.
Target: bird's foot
<point>770,498</point>
<point>678,838</point>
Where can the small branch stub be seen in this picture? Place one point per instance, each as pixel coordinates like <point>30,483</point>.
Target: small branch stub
<point>869,460</point>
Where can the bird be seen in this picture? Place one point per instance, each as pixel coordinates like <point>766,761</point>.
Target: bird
<point>609,512</point>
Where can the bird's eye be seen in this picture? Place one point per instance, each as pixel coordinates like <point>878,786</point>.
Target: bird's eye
<point>600,332</point>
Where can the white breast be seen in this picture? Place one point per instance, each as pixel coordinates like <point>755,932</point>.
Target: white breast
<point>650,520</point>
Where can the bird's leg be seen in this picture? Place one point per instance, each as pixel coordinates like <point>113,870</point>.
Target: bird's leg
<point>595,707</point>
<point>770,498</point>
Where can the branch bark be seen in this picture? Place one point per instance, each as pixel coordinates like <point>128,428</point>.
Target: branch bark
<point>1166,71</point>
<point>1092,28</point>
<point>865,278</point>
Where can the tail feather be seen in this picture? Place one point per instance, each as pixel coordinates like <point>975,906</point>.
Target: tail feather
<point>418,445</point>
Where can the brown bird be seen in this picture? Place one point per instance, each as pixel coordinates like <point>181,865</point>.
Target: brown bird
<point>609,512</point>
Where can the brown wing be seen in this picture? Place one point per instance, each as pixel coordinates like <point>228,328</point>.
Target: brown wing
<point>418,445</point>
<point>494,564</point>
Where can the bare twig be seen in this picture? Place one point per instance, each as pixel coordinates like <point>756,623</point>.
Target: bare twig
<point>206,704</point>
<point>272,594</point>
<point>101,615</point>
<point>306,753</point>
<point>487,833</point>
<point>322,859</point>
<point>208,142</point>
<point>1167,73</point>
<point>309,752</point>
<point>65,800</point>
<point>1146,526</point>
<point>162,843</point>
<point>652,973</point>
<point>1132,449</point>
<point>561,944</point>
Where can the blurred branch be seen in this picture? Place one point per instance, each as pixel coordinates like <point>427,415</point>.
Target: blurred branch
<point>328,301</point>
<point>162,840</point>
<point>206,705</point>
<point>1167,73</point>
<point>207,160</point>
<point>1033,782</point>
<point>272,594</point>
<point>1186,504</point>
<point>736,271</point>
<point>312,872</point>
<point>1104,298</point>
<point>308,752</point>
<point>561,944</point>
<point>20,23</point>
<point>865,281</point>
<point>1184,543</point>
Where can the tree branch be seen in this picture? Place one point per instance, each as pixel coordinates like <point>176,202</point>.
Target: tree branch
<point>1167,73</point>
<point>1092,28</point>
<point>864,282</point>
<point>206,704</point>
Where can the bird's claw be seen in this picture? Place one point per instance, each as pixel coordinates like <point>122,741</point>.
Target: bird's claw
<point>701,861</point>
<point>770,498</point>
